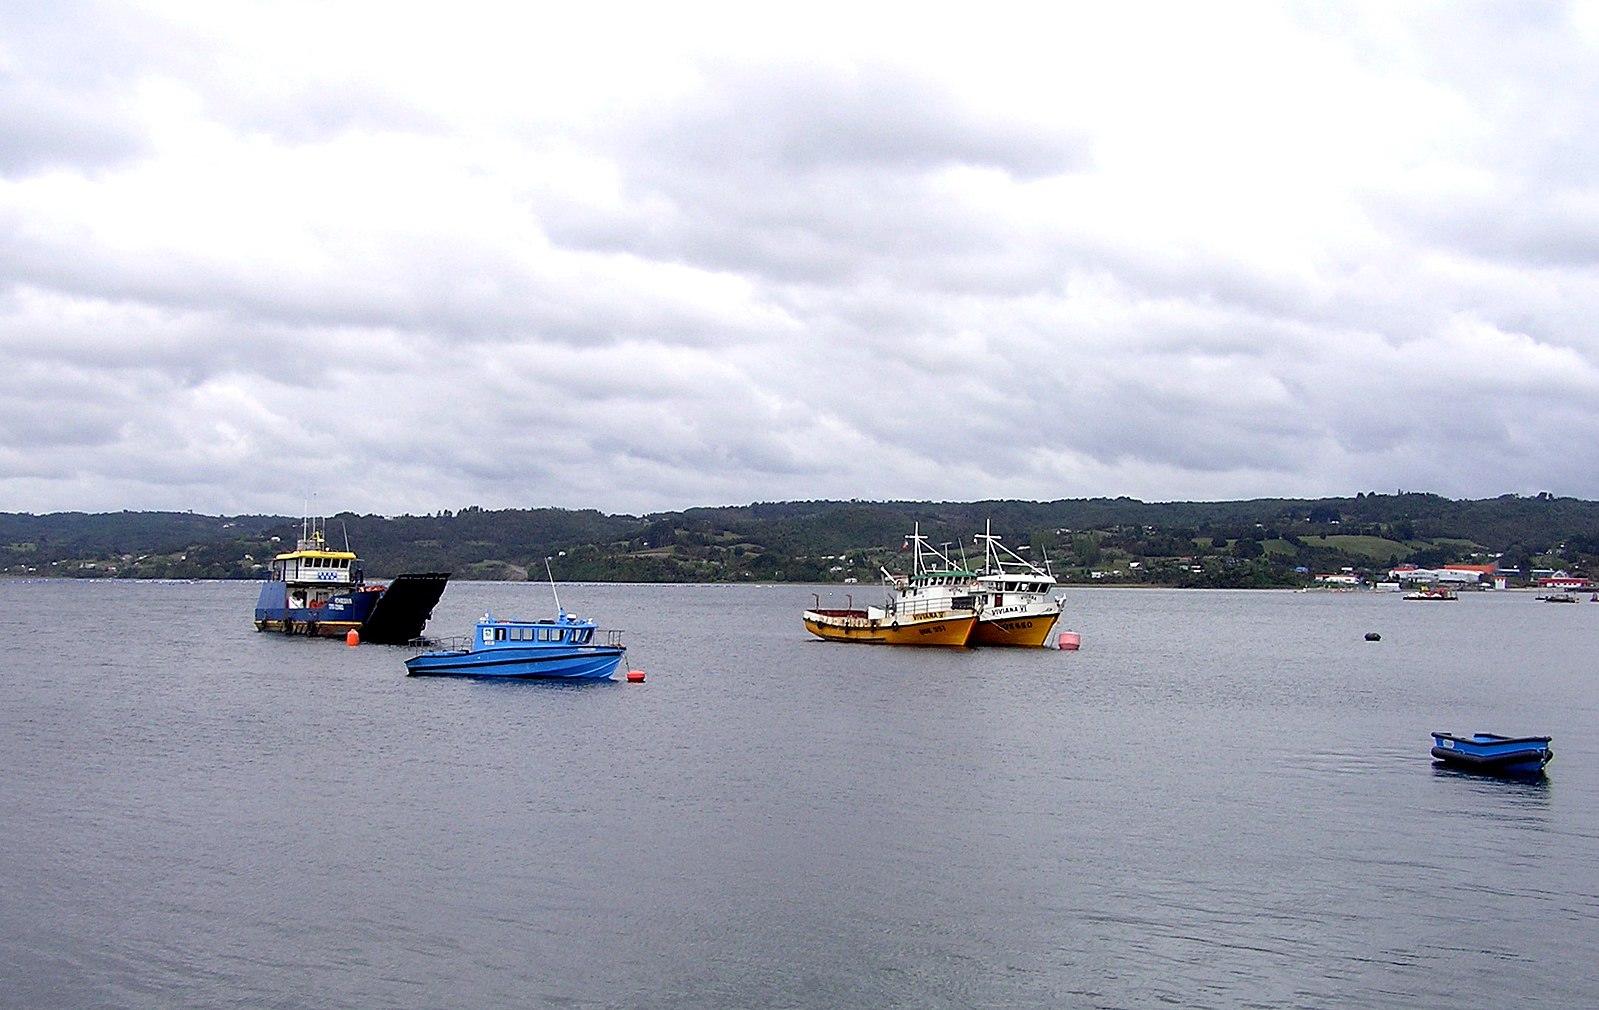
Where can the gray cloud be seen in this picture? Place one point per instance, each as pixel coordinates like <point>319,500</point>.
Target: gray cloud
<point>653,277</point>
<point>41,128</point>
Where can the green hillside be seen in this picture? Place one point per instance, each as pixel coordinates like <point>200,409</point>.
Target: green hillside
<point>1261,542</point>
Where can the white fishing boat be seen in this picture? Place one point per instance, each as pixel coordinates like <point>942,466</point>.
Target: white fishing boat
<point>1016,601</point>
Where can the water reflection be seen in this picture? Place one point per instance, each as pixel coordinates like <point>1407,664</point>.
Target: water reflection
<point>1531,785</point>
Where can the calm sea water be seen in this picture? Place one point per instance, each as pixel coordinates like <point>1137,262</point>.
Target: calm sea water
<point>1223,800</point>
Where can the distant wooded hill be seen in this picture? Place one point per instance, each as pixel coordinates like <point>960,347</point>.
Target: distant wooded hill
<point>1259,542</point>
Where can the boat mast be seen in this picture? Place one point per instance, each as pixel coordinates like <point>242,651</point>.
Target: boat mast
<point>916,539</point>
<point>553,592</point>
<point>992,556</point>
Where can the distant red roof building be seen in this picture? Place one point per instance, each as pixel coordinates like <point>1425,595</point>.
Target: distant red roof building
<point>1563,582</point>
<point>1479,569</point>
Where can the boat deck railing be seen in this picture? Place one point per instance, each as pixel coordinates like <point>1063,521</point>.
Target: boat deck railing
<point>463,643</point>
<point>918,608</point>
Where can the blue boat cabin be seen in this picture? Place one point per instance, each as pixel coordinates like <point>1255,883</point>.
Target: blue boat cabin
<point>499,631</point>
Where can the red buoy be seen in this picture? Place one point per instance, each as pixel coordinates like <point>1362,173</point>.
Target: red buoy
<point>352,638</point>
<point>1069,640</point>
<point>635,676</point>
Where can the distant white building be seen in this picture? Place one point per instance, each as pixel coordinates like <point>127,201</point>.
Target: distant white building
<point>1338,579</point>
<point>1461,575</point>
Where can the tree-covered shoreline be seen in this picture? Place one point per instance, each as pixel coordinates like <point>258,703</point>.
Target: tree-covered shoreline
<point>1256,543</point>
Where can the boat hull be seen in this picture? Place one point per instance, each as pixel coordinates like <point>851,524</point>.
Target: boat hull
<point>1494,755</point>
<point>949,630</point>
<point>1029,631</point>
<point>583,663</point>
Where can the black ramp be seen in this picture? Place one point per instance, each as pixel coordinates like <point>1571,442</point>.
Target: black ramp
<point>403,610</point>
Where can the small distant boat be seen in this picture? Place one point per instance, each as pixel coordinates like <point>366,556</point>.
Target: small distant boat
<point>1493,754</point>
<point>1557,598</point>
<point>567,648</point>
<point>1432,593</point>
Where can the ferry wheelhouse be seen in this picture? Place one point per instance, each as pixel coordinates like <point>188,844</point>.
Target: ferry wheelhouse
<point>315,590</point>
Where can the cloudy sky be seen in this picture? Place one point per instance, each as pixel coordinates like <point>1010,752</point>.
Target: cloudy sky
<point>640,258</point>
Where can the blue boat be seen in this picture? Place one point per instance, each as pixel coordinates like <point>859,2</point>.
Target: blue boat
<point>567,648</point>
<point>315,590</point>
<point>1493,754</point>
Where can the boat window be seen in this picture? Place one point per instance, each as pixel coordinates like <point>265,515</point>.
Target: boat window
<point>499,634</point>
<point>583,635</point>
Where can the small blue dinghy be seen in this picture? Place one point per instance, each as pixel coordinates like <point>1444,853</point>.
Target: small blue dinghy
<point>1493,754</point>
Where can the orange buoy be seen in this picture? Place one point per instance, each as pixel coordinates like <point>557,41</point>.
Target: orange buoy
<point>635,676</point>
<point>352,638</point>
<point>1069,640</point>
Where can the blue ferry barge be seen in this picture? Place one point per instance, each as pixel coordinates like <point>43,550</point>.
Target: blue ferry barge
<point>1493,754</point>
<point>567,648</point>
<point>313,590</point>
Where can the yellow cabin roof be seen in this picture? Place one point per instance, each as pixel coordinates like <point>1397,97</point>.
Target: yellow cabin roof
<point>315,554</point>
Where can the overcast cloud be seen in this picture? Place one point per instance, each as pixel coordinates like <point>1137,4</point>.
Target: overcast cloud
<point>641,259</point>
